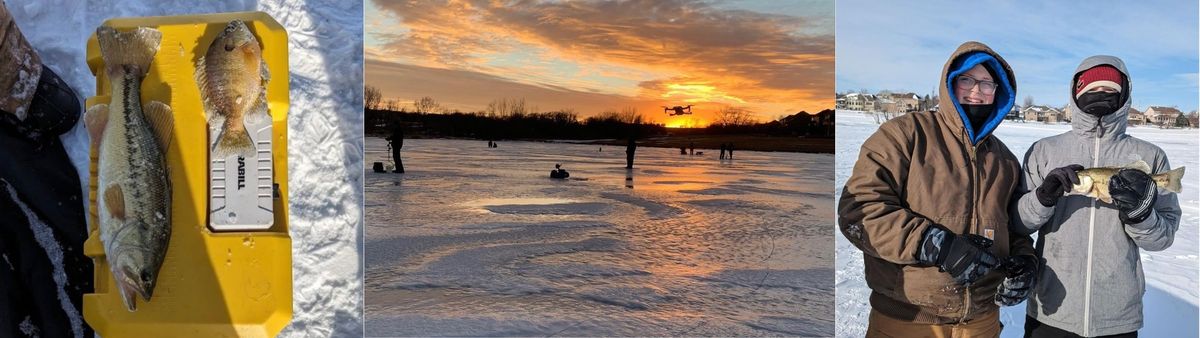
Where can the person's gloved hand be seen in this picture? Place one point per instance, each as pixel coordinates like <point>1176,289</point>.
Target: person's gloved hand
<point>1134,193</point>
<point>964,257</point>
<point>1057,183</point>
<point>1019,280</point>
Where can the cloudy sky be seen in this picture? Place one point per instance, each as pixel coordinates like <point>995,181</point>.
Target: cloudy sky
<point>771,57</point>
<point>899,45</point>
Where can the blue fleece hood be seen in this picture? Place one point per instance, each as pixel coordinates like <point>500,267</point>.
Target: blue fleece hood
<point>1005,96</point>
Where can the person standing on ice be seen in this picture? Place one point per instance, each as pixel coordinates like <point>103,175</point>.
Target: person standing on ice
<point>1092,274</point>
<point>927,203</point>
<point>43,270</point>
<point>630,148</point>
<point>396,141</point>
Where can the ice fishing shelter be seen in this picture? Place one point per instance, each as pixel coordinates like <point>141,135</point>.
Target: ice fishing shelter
<point>212,283</point>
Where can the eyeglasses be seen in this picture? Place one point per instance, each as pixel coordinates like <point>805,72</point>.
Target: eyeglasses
<point>967,82</point>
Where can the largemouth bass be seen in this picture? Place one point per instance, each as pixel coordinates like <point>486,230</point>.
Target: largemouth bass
<point>1093,182</point>
<point>232,76</point>
<point>134,192</point>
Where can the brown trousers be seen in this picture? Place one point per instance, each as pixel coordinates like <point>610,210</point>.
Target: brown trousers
<point>881,326</point>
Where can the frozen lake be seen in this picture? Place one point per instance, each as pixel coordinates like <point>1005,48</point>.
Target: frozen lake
<point>1172,288</point>
<point>478,241</point>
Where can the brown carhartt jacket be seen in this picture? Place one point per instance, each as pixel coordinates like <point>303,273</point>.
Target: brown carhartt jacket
<point>921,169</point>
<point>20,68</point>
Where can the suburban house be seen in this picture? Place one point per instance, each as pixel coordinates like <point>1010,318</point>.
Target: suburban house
<point>1136,117</point>
<point>904,103</point>
<point>1043,114</point>
<point>1162,116</point>
<point>860,102</point>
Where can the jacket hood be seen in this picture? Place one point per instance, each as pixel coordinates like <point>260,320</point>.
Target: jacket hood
<point>1109,125</point>
<point>966,56</point>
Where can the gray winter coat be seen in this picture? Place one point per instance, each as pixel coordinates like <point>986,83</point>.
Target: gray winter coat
<point>1091,280</point>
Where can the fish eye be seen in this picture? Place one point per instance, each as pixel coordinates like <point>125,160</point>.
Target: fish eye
<point>145,276</point>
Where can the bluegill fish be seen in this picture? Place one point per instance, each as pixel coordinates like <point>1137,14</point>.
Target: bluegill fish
<point>232,77</point>
<point>133,190</point>
<point>1093,182</point>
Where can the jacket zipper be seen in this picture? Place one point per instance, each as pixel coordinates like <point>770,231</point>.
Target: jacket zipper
<point>971,216</point>
<point>1087,285</point>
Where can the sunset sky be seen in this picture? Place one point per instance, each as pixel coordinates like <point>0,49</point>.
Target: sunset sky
<point>774,58</point>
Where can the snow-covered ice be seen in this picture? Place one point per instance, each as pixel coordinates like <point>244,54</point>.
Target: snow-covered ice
<point>324,131</point>
<point>477,241</point>
<point>1172,276</point>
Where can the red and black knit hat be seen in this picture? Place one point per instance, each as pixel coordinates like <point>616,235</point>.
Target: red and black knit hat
<point>1102,75</point>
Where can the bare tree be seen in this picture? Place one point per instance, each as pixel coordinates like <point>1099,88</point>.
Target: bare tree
<point>506,107</point>
<point>1028,101</point>
<point>371,97</point>
<point>425,104</point>
<point>735,116</point>
<point>392,105</point>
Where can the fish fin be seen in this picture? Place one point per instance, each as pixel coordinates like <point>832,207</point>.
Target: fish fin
<point>162,121</point>
<point>95,119</point>
<point>1173,177</point>
<point>1140,165</point>
<point>114,201</point>
<point>233,141</point>
<point>266,74</point>
<point>202,83</point>
<point>128,52</point>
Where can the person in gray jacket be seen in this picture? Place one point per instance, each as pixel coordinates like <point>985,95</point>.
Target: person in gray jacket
<point>1091,281</point>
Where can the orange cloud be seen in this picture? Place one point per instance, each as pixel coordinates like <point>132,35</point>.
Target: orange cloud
<point>649,53</point>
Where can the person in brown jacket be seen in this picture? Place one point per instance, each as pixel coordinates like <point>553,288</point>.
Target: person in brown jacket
<point>927,203</point>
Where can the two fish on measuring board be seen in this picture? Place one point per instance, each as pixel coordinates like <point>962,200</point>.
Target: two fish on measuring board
<point>134,204</point>
<point>1093,182</point>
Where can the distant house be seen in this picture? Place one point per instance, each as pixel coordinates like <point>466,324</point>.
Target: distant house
<point>904,103</point>
<point>884,103</point>
<point>1043,114</point>
<point>860,102</point>
<point>1162,116</point>
<point>1136,117</point>
<point>840,102</point>
<point>1193,119</point>
<point>1014,114</point>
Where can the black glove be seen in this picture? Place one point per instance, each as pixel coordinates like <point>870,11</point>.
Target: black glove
<point>964,257</point>
<point>1134,193</point>
<point>53,110</point>
<point>1057,183</point>
<point>1019,279</point>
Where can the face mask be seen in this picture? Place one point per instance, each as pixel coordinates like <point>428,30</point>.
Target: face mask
<point>1099,103</point>
<point>978,114</point>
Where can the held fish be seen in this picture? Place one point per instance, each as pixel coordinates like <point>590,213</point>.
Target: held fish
<point>134,204</point>
<point>231,76</point>
<point>1093,182</point>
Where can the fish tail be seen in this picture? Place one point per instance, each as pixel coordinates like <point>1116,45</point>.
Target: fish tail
<point>234,140</point>
<point>1171,180</point>
<point>128,52</point>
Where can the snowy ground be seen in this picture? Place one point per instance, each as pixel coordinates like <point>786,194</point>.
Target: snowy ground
<point>324,131</point>
<point>473,241</point>
<point>1172,289</point>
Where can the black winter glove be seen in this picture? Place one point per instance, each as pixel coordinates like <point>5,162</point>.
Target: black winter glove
<point>1019,280</point>
<point>964,257</point>
<point>1134,193</point>
<point>1057,183</point>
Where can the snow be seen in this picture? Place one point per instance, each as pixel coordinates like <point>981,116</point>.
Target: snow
<point>1172,276</point>
<point>324,132</point>
<point>45,238</point>
<point>477,241</point>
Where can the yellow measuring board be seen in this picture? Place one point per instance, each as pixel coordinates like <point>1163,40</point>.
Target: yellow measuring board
<point>211,284</point>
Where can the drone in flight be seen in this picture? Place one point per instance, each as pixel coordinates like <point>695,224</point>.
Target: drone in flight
<point>678,110</point>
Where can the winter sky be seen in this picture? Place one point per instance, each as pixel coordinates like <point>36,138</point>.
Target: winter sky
<point>771,57</point>
<point>902,45</point>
